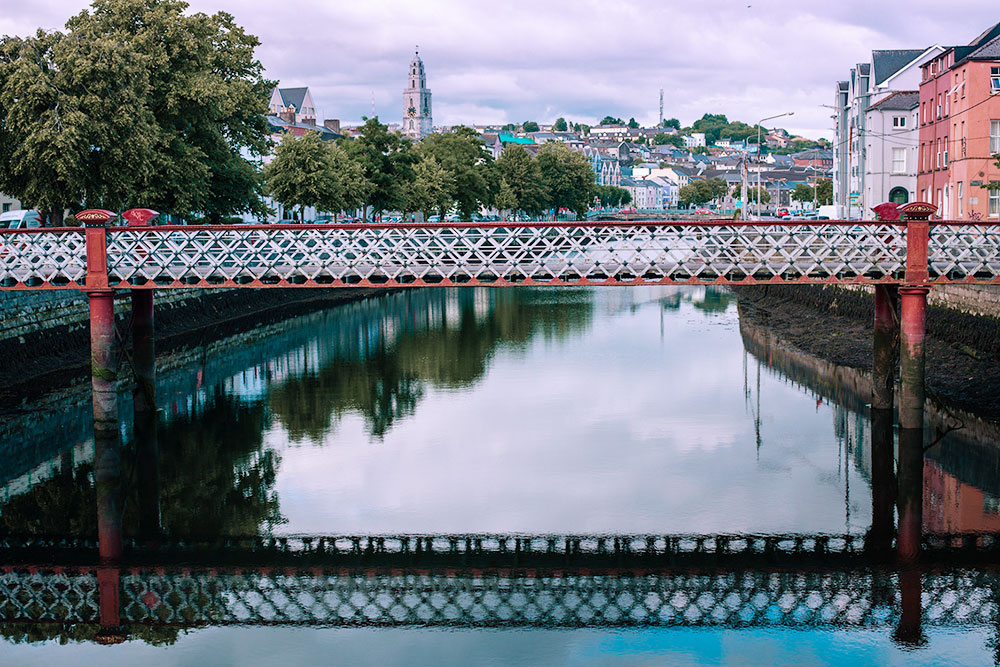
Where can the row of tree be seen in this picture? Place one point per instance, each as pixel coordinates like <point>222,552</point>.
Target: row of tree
<point>383,171</point>
<point>707,190</point>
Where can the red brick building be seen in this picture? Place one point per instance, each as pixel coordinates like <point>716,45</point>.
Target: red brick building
<point>960,129</point>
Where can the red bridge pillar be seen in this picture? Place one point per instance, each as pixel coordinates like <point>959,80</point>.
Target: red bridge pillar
<point>913,317</point>
<point>104,385</point>
<point>885,360</point>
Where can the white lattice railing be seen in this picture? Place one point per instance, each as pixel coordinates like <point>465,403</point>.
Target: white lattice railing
<point>500,253</point>
<point>464,254</point>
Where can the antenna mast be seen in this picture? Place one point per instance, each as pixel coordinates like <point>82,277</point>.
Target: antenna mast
<point>661,107</point>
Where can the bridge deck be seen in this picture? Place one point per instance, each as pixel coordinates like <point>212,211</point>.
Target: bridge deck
<point>541,253</point>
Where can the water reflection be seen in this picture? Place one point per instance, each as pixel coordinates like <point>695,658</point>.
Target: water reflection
<point>208,521</point>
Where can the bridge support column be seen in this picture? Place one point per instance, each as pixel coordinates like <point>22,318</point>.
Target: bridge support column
<point>885,350</point>
<point>911,422</point>
<point>107,450</point>
<point>144,413</point>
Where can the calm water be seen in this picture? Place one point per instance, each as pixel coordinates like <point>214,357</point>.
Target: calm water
<point>640,411</point>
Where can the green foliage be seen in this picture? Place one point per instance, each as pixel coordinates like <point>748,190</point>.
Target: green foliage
<point>582,128</point>
<point>702,191</point>
<point>824,191</point>
<point>611,120</point>
<point>431,187</point>
<point>799,145</point>
<point>306,171</point>
<point>633,124</point>
<point>802,193</point>
<point>135,104</point>
<point>672,122</point>
<point>568,177</point>
<point>530,126</point>
<point>521,171</point>
<point>610,195</point>
<point>765,196</point>
<point>460,153</point>
<point>700,150</point>
<point>506,199</point>
<point>661,139</point>
<point>510,127</point>
<point>717,126</point>
<point>386,160</point>
<point>560,125</point>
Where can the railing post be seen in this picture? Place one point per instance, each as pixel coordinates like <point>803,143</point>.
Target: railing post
<point>104,385</point>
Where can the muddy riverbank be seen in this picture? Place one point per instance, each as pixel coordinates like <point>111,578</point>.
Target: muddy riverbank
<point>963,351</point>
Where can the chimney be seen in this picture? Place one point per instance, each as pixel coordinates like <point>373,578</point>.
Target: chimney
<point>332,124</point>
<point>287,115</point>
<point>309,121</point>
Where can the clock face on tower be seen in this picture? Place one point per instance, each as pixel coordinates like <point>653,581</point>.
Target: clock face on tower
<point>411,112</point>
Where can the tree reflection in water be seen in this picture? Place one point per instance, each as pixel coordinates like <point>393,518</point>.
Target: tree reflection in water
<point>384,383</point>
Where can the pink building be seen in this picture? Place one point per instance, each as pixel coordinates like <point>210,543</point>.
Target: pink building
<point>960,129</point>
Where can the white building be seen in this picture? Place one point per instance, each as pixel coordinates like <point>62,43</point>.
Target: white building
<point>891,145</point>
<point>417,122</point>
<point>694,140</point>
<point>884,73</point>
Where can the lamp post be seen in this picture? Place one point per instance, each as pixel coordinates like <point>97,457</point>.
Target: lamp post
<point>780,115</point>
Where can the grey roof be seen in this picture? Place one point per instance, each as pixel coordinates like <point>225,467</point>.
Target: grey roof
<point>864,69</point>
<point>293,97</point>
<point>988,35</point>
<point>988,51</point>
<point>905,100</point>
<point>889,62</point>
<point>843,85</point>
<point>278,124</point>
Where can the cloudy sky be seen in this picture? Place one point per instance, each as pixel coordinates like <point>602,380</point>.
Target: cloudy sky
<point>581,59</point>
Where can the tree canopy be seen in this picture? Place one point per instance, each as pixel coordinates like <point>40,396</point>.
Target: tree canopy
<point>306,171</point>
<point>520,171</point>
<point>386,160</point>
<point>461,154</point>
<point>568,177</point>
<point>802,193</point>
<point>135,104</point>
<point>672,122</point>
<point>661,139</point>
<point>560,125</point>
<point>702,191</point>
<point>611,120</point>
<point>824,191</point>
<point>529,126</point>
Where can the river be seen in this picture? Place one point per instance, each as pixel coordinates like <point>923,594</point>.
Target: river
<point>525,411</point>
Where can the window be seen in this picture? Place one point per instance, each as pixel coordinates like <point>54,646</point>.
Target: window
<point>995,203</point>
<point>938,154</point>
<point>6,207</point>
<point>946,151</point>
<point>959,202</point>
<point>995,81</point>
<point>898,160</point>
<point>899,121</point>
<point>923,112</point>
<point>939,199</point>
<point>994,137</point>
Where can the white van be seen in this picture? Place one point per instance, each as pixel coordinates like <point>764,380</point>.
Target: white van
<point>29,219</point>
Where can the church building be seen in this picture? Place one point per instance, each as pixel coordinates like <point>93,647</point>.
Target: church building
<point>417,102</point>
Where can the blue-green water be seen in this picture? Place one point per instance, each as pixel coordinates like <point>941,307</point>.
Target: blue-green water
<point>529,411</point>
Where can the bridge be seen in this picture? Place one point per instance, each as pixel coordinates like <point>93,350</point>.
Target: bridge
<point>497,254</point>
<point>734,581</point>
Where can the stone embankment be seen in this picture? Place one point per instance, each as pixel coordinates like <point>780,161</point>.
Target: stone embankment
<point>835,324</point>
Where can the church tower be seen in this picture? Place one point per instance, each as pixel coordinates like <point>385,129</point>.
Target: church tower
<point>417,122</point>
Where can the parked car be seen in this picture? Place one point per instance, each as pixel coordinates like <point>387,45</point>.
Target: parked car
<point>782,212</point>
<point>26,219</point>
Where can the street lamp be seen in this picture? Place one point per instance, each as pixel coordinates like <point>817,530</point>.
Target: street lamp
<point>780,115</point>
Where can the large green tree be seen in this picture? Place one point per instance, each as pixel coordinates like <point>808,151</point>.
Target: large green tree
<point>136,104</point>
<point>306,171</point>
<point>702,191</point>
<point>386,159</point>
<point>802,193</point>
<point>520,170</point>
<point>560,125</point>
<point>431,187</point>
<point>460,152</point>
<point>530,126</point>
<point>824,191</point>
<point>568,178</point>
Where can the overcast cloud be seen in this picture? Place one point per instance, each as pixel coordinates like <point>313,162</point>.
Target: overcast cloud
<point>581,59</point>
